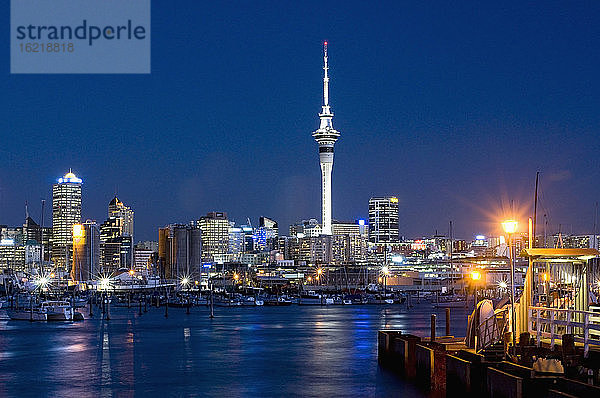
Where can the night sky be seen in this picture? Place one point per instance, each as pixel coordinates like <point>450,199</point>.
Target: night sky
<point>451,106</point>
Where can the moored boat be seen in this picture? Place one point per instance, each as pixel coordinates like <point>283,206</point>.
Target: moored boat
<point>47,311</point>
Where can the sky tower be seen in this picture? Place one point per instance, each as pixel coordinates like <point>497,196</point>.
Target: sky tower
<point>326,136</point>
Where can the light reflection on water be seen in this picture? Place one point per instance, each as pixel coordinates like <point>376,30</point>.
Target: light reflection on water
<point>298,350</point>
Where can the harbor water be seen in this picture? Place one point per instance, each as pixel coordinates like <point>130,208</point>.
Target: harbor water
<point>242,352</point>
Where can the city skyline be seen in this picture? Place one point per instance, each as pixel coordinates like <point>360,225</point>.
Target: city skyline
<point>455,122</point>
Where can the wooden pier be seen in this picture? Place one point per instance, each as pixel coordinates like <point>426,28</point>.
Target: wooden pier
<point>447,367</point>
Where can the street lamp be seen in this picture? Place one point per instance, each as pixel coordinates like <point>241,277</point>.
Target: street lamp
<point>475,277</point>
<point>386,272</point>
<point>510,227</point>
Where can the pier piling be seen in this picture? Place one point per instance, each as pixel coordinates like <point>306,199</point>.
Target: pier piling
<point>447,321</point>
<point>432,327</point>
<point>167,308</point>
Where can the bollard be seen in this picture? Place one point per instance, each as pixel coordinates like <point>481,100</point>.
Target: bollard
<point>212,312</point>
<point>432,327</point>
<point>447,321</point>
<point>91,308</point>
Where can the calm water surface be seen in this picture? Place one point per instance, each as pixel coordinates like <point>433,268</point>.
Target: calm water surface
<point>242,352</point>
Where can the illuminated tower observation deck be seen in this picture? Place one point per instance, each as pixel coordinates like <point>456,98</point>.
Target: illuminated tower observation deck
<point>326,136</point>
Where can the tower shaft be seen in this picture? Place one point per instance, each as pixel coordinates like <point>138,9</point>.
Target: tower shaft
<point>326,136</point>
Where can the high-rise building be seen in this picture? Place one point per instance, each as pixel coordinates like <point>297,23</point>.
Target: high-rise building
<point>151,245</point>
<point>326,136</point>
<point>116,209</point>
<point>116,250</point>
<point>66,211</point>
<point>241,240</point>
<point>12,255</point>
<point>143,260</point>
<point>86,251</point>
<point>215,235</point>
<point>267,222</point>
<point>180,251</point>
<point>383,220</point>
<point>306,228</point>
<point>349,243</point>
<point>36,238</point>
<point>315,250</point>
<point>266,234</point>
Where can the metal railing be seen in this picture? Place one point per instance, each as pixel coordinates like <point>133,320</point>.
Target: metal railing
<point>492,329</point>
<point>552,323</point>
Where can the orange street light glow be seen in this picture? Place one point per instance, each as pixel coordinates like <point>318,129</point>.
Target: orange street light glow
<point>77,231</point>
<point>510,226</point>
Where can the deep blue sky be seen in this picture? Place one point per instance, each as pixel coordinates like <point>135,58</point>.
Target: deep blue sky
<point>452,106</point>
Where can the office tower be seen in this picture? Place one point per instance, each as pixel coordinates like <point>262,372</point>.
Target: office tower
<point>116,250</point>
<point>180,251</point>
<point>306,228</point>
<point>266,234</point>
<point>383,220</point>
<point>349,244</point>
<point>116,209</point>
<point>31,231</point>
<point>151,245</point>
<point>86,251</point>
<point>267,222</point>
<point>237,241</point>
<point>66,211</point>
<point>116,238</point>
<point>315,250</point>
<point>326,136</point>
<point>12,255</point>
<point>215,235</point>
<point>144,260</point>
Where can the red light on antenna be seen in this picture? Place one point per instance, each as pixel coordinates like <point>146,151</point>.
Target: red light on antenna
<point>325,43</point>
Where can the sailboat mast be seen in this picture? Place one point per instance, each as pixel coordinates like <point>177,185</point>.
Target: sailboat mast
<point>535,199</point>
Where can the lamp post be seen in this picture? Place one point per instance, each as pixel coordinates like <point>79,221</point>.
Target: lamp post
<point>386,272</point>
<point>475,277</point>
<point>510,227</point>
